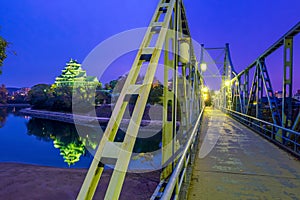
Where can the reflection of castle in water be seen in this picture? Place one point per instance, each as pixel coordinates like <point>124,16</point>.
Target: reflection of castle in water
<point>72,146</point>
<point>64,137</point>
<point>71,152</point>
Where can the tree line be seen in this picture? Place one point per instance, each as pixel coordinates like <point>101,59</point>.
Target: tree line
<point>51,97</point>
<point>47,97</point>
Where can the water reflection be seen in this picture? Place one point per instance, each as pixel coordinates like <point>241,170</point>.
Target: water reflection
<point>3,116</point>
<point>57,143</point>
<point>4,111</point>
<point>64,137</point>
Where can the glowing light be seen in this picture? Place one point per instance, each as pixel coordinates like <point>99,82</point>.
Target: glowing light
<point>227,83</point>
<point>205,89</point>
<point>203,67</point>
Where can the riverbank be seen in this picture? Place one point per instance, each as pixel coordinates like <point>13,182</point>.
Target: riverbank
<point>15,105</point>
<point>91,120</point>
<point>23,181</point>
<point>61,116</point>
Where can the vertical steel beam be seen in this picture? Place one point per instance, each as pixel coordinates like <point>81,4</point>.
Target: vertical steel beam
<point>239,107</point>
<point>296,125</point>
<point>169,128</point>
<point>261,92</point>
<point>252,96</point>
<point>257,93</point>
<point>227,79</point>
<point>246,90</point>
<point>287,104</point>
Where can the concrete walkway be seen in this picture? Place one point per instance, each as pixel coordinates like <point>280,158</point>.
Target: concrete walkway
<point>241,164</point>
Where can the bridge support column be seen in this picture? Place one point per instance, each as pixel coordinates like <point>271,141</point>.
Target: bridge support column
<point>287,91</point>
<point>246,91</point>
<point>287,108</point>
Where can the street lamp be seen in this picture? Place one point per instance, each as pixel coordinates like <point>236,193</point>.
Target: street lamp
<point>227,83</point>
<point>205,89</point>
<point>203,67</point>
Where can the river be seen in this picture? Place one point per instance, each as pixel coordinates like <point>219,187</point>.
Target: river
<point>52,143</point>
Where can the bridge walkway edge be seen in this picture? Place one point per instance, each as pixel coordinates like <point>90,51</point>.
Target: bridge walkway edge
<point>241,164</point>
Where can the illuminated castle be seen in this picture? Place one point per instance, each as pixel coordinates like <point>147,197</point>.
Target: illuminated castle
<point>74,75</point>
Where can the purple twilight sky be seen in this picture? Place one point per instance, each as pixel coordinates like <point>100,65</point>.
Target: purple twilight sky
<point>46,34</point>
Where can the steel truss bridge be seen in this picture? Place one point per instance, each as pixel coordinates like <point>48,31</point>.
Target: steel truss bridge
<point>246,96</point>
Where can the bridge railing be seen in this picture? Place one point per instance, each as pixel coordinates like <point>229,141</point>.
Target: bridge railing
<point>174,183</point>
<point>289,141</point>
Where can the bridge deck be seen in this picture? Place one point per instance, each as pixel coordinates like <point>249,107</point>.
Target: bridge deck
<point>242,165</point>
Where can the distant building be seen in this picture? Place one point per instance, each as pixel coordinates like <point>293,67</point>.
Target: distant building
<point>23,91</point>
<point>74,75</point>
<point>279,94</point>
<point>17,95</point>
<point>297,95</point>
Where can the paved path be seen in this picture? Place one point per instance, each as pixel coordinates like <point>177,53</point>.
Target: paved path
<point>242,165</point>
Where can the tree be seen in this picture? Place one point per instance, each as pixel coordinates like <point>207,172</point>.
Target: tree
<point>156,94</point>
<point>3,46</point>
<point>3,94</point>
<point>102,97</point>
<point>107,86</point>
<point>62,99</point>
<point>39,95</point>
<point>99,86</point>
<point>113,83</point>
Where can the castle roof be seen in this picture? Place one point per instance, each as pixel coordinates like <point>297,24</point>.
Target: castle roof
<point>73,74</point>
